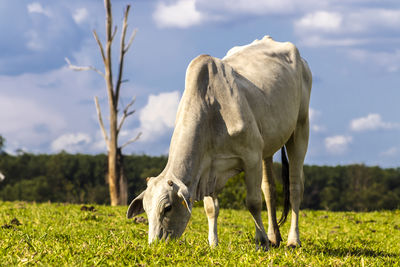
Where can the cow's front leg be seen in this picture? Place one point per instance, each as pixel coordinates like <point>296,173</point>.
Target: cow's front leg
<point>253,178</point>
<point>211,207</point>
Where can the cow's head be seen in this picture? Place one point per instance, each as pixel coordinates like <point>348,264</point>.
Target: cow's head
<point>167,204</point>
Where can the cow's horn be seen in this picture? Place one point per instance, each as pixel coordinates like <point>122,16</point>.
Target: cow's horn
<point>186,199</point>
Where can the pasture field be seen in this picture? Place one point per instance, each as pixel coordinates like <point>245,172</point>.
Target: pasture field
<point>76,235</point>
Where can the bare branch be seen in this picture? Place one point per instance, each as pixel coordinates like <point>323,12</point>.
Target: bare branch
<point>100,46</point>
<point>130,103</point>
<point>112,98</point>
<point>122,52</point>
<point>133,35</point>
<point>103,130</point>
<point>126,114</point>
<point>132,140</point>
<point>82,68</point>
<point>115,32</point>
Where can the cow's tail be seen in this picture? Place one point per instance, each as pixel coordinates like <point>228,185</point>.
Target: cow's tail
<point>285,183</point>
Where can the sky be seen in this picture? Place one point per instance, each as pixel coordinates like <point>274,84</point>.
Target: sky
<point>352,47</point>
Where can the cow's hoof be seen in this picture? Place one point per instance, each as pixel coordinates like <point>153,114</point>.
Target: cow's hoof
<point>262,244</point>
<point>274,244</point>
<point>213,244</point>
<point>275,240</point>
<point>264,248</point>
<point>294,243</point>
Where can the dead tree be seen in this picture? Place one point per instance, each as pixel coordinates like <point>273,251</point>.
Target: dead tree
<point>118,185</point>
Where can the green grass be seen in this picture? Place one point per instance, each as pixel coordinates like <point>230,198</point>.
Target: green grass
<point>63,234</point>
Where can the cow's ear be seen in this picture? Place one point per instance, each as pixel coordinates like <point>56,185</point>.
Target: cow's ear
<point>184,194</point>
<point>136,206</point>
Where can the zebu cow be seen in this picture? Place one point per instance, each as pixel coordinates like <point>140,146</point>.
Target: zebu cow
<point>234,114</point>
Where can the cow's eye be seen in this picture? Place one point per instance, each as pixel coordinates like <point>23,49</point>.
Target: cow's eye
<point>167,208</point>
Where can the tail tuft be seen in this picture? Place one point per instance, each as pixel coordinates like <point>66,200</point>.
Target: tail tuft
<point>285,182</point>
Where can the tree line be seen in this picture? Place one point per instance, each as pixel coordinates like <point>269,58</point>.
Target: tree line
<point>72,178</point>
<point>80,178</point>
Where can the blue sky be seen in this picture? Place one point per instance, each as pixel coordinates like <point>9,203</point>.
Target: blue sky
<point>352,47</point>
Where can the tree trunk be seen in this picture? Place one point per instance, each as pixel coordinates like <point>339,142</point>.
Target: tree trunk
<point>118,185</point>
<point>112,172</point>
<point>112,155</point>
<point>123,182</point>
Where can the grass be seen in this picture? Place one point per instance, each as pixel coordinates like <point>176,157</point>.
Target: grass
<point>67,235</point>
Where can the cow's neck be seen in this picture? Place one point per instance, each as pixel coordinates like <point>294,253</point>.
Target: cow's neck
<point>188,153</point>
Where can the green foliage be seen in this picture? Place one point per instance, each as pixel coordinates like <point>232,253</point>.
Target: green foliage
<point>234,194</point>
<point>2,143</point>
<point>69,178</point>
<point>82,179</point>
<point>66,235</point>
<point>353,187</point>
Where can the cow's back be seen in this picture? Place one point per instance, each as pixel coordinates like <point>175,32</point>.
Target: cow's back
<point>264,61</point>
<point>276,70</point>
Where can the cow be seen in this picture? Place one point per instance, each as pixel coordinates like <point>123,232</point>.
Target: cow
<point>234,114</point>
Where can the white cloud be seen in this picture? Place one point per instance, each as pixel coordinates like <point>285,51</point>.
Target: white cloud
<point>37,8</point>
<point>348,21</point>
<point>187,13</point>
<point>182,14</point>
<point>314,116</point>
<point>35,42</point>
<point>99,146</point>
<point>316,17</point>
<point>25,120</point>
<point>371,122</point>
<point>158,116</point>
<point>342,26</point>
<point>321,21</point>
<point>71,142</point>
<point>80,15</point>
<point>48,29</point>
<point>337,144</point>
<point>318,128</point>
<point>389,61</point>
<point>365,20</point>
<point>319,40</point>
<point>259,7</point>
<point>391,152</point>
<point>256,7</point>
<point>37,108</point>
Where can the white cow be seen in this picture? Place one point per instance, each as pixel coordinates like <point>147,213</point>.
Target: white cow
<point>235,113</point>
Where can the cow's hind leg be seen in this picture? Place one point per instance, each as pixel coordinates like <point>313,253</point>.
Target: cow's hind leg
<point>268,188</point>
<point>296,148</point>
<point>211,207</point>
<point>253,177</point>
